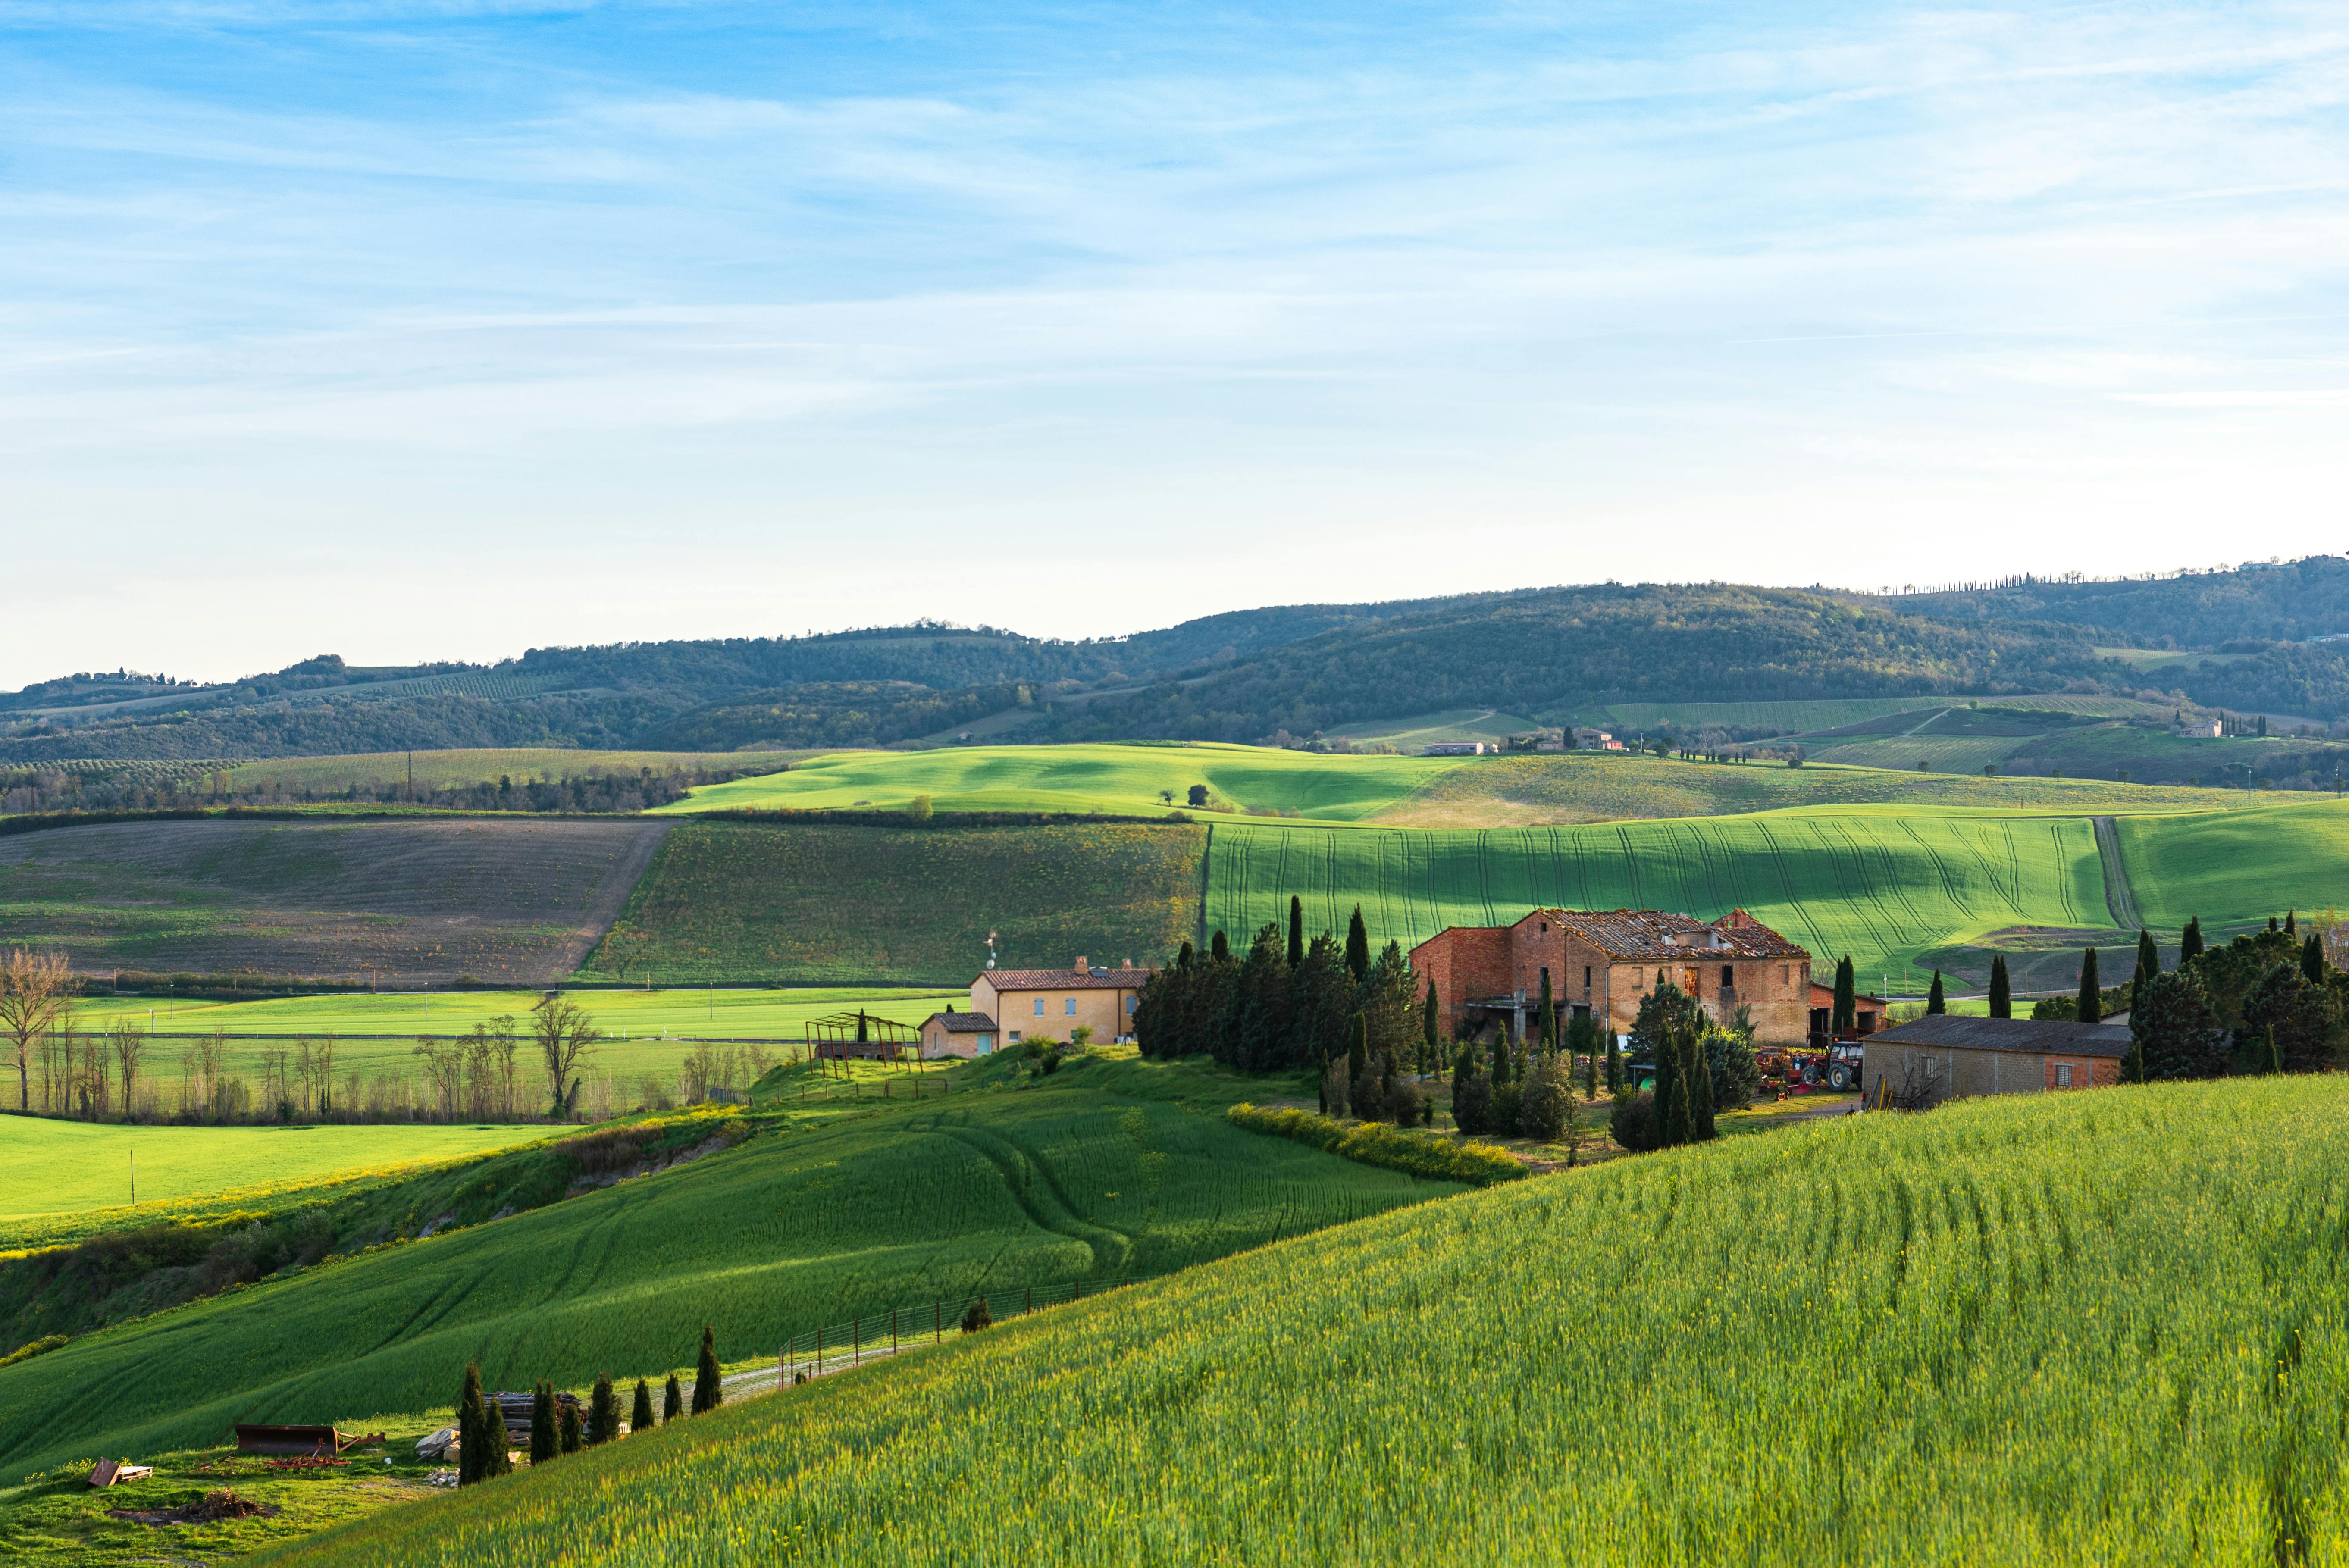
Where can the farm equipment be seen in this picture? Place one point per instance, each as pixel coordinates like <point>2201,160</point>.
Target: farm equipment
<point>1798,1070</point>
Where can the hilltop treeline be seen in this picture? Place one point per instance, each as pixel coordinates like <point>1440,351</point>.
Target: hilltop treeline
<point>87,788</point>
<point>1245,674</point>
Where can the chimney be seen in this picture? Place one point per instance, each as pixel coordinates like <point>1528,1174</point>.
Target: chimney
<point>1129,964</point>
<point>1081,967</point>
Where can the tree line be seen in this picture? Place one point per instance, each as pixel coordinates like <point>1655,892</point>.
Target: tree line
<point>557,1425</point>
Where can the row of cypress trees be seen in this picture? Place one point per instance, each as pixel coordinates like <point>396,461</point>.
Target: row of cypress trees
<point>556,1427</point>
<point>1285,1003</point>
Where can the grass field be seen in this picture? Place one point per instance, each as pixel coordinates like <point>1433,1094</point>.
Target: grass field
<point>741,900</point>
<point>1880,883</point>
<point>1431,728</point>
<point>407,902</point>
<point>1807,718</point>
<point>1528,791</point>
<point>66,1167</point>
<point>2224,867</point>
<point>646,1032</point>
<point>1103,1169</point>
<point>459,770</point>
<point>2068,1329</point>
<point>1122,780</point>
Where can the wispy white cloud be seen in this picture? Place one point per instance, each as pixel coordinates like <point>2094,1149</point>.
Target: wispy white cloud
<point>2003,271</point>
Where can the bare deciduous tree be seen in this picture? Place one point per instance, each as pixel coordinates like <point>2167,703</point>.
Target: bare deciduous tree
<point>35,991</point>
<point>564,1034</point>
<point>130,1043</point>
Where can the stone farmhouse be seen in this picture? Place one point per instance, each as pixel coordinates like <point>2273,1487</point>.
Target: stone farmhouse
<point>1009,1005</point>
<point>1599,965</point>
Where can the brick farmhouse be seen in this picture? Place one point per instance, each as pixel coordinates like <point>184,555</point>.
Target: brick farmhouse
<point>1009,1005</point>
<point>1600,963</point>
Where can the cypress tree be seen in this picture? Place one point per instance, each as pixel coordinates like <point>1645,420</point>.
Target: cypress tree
<point>496,1459</point>
<point>1935,1002</point>
<point>1358,948</point>
<point>1701,1127</point>
<point>1548,1017</point>
<point>472,1448</point>
<point>542,1436</point>
<point>1357,1049</point>
<point>640,1420</point>
<point>2090,1008</point>
<point>1221,947</point>
<point>1427,1016</point>
<point>2149,964</point>
<point>2190,947</point>
<point>2291,925</point>
<point>1184,959</point>
<point>1672,1096</point>
<point>1614,1064</point>
<point>2312,959</point>
<point>1295,932</point>
<point>1847,999</point>
<point>707,1392</point>
<point>672,1401</point>
<point>2271,924</point>
<point>2001,998</point>
<point>602,1412</point>
<point>1501,1057</point>
<point>567,1426</point>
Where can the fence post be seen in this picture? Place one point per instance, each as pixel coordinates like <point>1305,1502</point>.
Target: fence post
<point>817,1371</point>
<point>893,1331</point>
<point>855,1341</point>
<point>938,1328</point>
<point>1081,1291</point>
<point>1032,1302</point>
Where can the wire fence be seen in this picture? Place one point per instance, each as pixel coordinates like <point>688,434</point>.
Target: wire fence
<point>838,1346</point>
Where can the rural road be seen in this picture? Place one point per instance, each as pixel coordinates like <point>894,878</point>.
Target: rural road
<point>2118,900</point>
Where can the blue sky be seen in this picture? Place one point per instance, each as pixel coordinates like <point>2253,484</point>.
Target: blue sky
<point>413,331</point>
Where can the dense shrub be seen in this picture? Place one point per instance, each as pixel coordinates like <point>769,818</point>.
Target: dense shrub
<point>1420,1154</point>
<point>976,1316</point>
<point>1633,1122</point>
<point>1546,1100</point>
<point>1472,1102</point>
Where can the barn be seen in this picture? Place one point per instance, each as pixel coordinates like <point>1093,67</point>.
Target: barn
<point>1942,1057</point>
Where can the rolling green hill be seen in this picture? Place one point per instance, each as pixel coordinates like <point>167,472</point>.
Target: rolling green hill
<point>55,1167</point>
<point>1123,780</point>
<point>2225,869</point>
<point>1104,1169</point>
<point>403,902</point>
<point>1880,883</point>
<point>2073,1329</point>
<point>738,900</point>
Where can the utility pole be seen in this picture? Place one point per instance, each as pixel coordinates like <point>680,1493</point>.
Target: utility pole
<point>134,1178</point>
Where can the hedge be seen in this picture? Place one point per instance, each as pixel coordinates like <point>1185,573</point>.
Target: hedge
<point>1374,1144</point>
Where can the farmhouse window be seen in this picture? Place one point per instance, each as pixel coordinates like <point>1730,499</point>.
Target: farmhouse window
<point>1069,1006</point>
<point>1039,1007</point>
<point>1131,1003</point>
<point>1586,977</point>
<point>1728,977</point>
<point>1545,976</point>
<point>2063,1075</point>
<point>1015,1036</point>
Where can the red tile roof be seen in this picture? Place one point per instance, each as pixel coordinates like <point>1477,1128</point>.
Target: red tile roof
<point>962,1023</point>
<point>1064,979</point>
<point>1650,934</point>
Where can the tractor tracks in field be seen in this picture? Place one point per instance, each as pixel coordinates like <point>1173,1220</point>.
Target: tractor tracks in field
<point>2118,900</point>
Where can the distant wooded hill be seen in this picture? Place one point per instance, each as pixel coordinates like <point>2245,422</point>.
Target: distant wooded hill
<point>2251,640</point>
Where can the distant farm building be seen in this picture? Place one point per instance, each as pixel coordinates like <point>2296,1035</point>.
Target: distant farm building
<point>1599,965</point>
<point>952,1034</point>
<point>1943,1057</point>
<point>1458,748</point>
<point>1867,1015</point>
<point>1046,1003</point>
